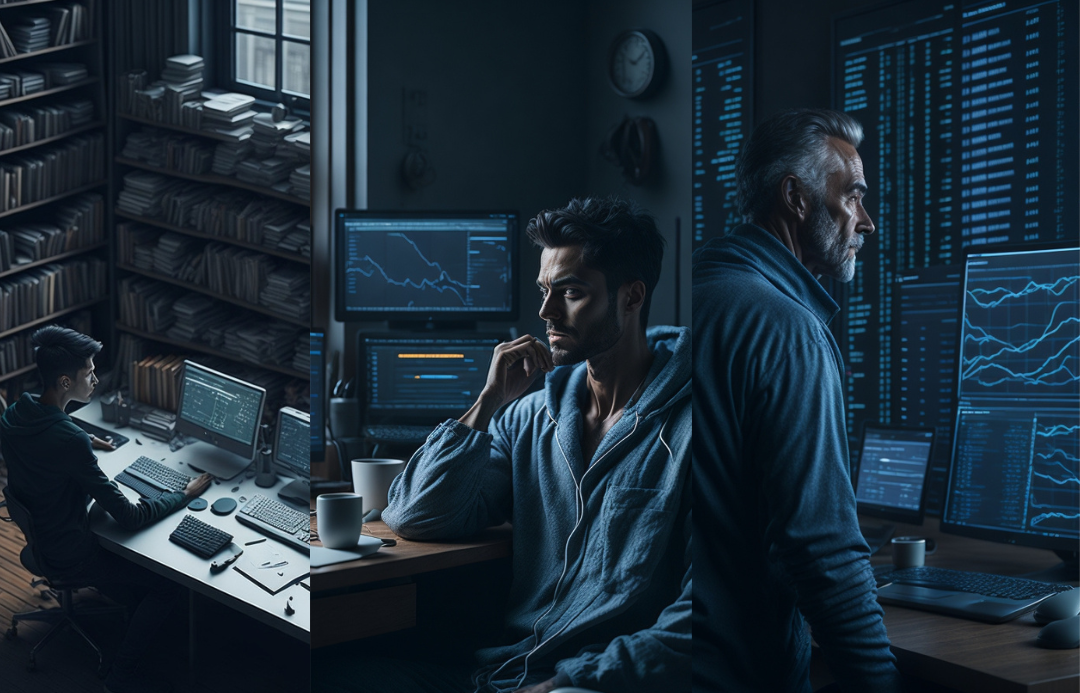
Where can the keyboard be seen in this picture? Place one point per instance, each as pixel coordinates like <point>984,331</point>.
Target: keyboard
<point>199,538</point>
<point>277,521</point>
<point>398,433</point>
<point>152,479</point>
<point>975,596</point>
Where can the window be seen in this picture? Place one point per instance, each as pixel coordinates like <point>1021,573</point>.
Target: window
<point>270,43</point>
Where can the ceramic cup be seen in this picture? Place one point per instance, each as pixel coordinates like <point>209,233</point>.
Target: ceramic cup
<point>341,518</point>
<point>371,477</point>
<point>908,552</point>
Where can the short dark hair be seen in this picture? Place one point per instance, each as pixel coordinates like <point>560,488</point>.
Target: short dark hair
<point>60,351</point>
<point>792,142</point>
<point>617,237</point>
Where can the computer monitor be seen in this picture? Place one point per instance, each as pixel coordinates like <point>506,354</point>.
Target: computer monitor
<point>893,466</point>
<point>317,396</point>
<point>223,411</point>
<point>292,454</point>
<point>425,266</point>
<point>1015,473</point>
<point>422,379</point>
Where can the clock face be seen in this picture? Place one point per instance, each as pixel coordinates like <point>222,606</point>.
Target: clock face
<point>633,64</point>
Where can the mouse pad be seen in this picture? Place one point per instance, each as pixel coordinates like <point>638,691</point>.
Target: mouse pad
<point>366,546</point>
<point>270,567</point>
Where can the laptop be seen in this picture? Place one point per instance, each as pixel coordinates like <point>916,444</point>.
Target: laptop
<point>890,482</point>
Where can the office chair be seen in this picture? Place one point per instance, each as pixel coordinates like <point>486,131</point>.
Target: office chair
<point>63,616</point>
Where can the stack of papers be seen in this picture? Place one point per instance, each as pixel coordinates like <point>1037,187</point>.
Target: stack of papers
<point>229,114</point>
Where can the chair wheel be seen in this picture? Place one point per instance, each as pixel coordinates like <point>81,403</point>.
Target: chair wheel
<point>11,633</point>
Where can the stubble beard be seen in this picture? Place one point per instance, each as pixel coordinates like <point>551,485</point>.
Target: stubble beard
<point>828,246</point>
<point>603,336</point>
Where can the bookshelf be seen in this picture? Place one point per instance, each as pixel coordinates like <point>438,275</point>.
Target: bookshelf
<point>38,111</point>
<point>183,209</point>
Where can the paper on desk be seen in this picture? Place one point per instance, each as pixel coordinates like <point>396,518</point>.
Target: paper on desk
<point>366,546</point>
<point>266,565</point>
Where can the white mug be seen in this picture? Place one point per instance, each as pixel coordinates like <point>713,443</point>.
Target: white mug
<point>371,479</point>
<point>341,518</point>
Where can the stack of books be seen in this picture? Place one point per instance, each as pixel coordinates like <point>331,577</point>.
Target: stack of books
<point>38,292</point>
<point>265,172</point>
<point>300,182</point>
<point>268,133</point>
<point>196,315</point>
<point>229,114</point>
<point>302,357</point>
<point>30,33</point>
<point>288,291</point>
<point>61,74</point>
<point>142,193</point>
<point>182,79</point>
<point>228,154</point>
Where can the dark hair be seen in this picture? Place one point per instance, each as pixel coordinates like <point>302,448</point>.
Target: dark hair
<point>60,351</point>
<point>789,143</point>
<point>617,237</point>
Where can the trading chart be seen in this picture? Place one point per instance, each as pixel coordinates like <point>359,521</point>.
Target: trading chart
<point>1021,335</point>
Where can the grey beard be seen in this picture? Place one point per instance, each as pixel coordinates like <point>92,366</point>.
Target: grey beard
<point>827,247</point>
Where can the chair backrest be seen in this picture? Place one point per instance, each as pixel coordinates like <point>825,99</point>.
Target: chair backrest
<point>22,518</point>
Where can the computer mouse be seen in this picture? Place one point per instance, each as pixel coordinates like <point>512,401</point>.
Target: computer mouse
<point>1060,635</point>
<point>1062,605</point>
<point>223,506</point>
<point>197,504</point>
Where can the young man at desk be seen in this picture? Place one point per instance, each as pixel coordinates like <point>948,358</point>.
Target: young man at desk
<point>52,470</point>
<point>592,472</point>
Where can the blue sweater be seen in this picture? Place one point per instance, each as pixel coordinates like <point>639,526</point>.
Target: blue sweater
<point>777,536</point>
<point>601,551</point>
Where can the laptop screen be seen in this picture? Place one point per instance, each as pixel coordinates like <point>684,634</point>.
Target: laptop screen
<point>891,480</point>
<point>422,379</point>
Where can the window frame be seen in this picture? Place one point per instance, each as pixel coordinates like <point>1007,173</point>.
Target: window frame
<point>298,105</point>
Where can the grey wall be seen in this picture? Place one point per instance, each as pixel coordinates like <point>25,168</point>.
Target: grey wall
<point>517,105</point>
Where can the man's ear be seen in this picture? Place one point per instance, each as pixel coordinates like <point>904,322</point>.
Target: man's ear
<point>793,198</point>
<point>635,295</point>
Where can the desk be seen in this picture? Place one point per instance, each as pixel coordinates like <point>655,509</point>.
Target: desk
<point>379,586</point>
<point>150,547</point>
<point>972,656</point>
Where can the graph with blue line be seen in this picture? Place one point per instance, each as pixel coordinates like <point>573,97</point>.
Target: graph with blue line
<point>416,265</point>
<point>1021,326</point>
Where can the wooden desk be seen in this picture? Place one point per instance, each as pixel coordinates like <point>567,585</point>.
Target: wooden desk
<point>376,594</point>
<point>971,656</point>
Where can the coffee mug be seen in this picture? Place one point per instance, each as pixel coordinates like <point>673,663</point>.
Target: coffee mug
<point>911,552</point>
<point>371,478</point>
<point>341,518</point>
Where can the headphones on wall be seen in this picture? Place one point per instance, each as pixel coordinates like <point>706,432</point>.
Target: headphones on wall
<point>632,146</point>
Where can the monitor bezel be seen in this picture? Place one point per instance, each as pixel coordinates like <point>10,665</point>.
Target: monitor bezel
<point>436,317</point>
<point>212,437</point>
<point>319,454</point>
<point>278,463</point>
<point>999,535</point>
<point>884,512</point>
<point>404,416</point>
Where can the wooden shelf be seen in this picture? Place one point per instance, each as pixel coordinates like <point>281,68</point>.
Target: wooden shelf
<point>211,237</point>
<point>51,316</point>
<point>54,138</point>
<point>46,51</point>
<point>212,179</point>
<point>50,200</point>
<point>49,92</point>
<point>205,349</point>
<point>177,128</point>
<point>55,258</point>
<point>213,294</point>
<point>16,373</point>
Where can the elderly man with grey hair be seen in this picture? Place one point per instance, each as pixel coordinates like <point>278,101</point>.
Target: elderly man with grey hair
<point>776,537</point>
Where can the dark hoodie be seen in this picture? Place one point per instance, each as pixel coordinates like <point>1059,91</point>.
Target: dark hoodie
<point>52,470</point>
<point>776,537</point>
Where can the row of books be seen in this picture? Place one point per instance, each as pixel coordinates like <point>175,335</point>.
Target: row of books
<point>18,351</point>
<point>26,125</point>
<point>48,172</point>
<point>77,224</point>
<point>190,155</point>
<point>40,291</point>
<point>58,25</point>
<point>227,270</point>
<point>39,77</point>
<point>155,380</point>
<point>218,211</point>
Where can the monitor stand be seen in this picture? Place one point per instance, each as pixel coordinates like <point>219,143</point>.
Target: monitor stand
<point>877,536</point>
<point>222,464</point>
<point>1066,571</point>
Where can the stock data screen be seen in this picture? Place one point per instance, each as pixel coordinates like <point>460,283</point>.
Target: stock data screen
<point>892,468</point>
<point>396,265</point>
<point>722,64</point>
<point>1015,462</point>
<point>414,376</point>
